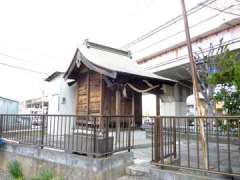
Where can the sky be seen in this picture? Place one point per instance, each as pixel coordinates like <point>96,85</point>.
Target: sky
<point>43,35</point>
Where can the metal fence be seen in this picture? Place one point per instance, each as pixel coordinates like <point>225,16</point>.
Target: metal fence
<point>176,144</point>
<point>88,135</point>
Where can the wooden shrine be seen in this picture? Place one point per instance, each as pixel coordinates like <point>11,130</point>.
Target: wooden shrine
<point>109,82</point>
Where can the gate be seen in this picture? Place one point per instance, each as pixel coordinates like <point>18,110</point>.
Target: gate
<point>164,139</point>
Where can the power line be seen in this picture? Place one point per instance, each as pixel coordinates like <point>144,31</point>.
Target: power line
<point>22,68</point>
<point>223,11</point>
<point>229,42</point>
<point>169,23</point>
<point>179,32</point>
<point>173,35</point>
<point>22,60</point>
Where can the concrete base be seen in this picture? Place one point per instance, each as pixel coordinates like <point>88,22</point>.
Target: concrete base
<point>69,166</point>
<point>85,144</point>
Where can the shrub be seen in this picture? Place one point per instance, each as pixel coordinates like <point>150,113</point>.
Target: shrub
<point>15,170</point>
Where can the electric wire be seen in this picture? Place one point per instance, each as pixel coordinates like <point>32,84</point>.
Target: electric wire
<point>183,57</point>
<point>22,68</point>
<point>23,60</point>
<point>170,23</point>
<point>223,11</point>
<point>182,31</point>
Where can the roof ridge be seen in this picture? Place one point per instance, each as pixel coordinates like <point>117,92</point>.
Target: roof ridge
<point>89,44</point>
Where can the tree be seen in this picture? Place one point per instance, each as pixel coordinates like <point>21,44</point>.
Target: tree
<point>227,81</point>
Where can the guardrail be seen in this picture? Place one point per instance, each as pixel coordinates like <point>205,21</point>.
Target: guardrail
<point>176,144</point>
<point>87,135</point>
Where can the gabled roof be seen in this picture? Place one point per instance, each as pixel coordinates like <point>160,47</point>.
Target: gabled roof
<point>108,61</point>
<point>53,76</point>
<point>7,99</point>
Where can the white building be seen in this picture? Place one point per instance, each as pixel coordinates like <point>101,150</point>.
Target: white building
<point>61,101</point>
<point>61,96</point>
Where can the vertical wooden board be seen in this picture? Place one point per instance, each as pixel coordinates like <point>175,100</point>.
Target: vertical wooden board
<point>127,106</point>
<point>113,102</point>
<point>157,105</point>
<point>118,102</point>
<point>106,100</point>
<point>82,96</point>
<point>94,93</point>
<point>101,95</point>
<point>138,108</point>
<point>88,88</point>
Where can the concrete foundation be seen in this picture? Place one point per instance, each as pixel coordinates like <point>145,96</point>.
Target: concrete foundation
<point>69,166</point>
<point>85,144</point>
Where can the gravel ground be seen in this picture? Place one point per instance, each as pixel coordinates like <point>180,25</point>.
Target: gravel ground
<point>4,175</point>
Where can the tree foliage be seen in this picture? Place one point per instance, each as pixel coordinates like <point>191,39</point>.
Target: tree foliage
<point>227,81</point>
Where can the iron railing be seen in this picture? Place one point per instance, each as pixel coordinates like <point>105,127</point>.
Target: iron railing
<point>176,145</point>
<point>88,135</point>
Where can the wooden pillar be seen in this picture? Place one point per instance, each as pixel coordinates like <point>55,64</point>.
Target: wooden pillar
<point>88,91</point>
<point>133,105</point>
<point>158,105</point>
<point>158,127</point>
<point>101,119</point>
<point>156,132</point>
<point>118,102</point>
<point>118,113</point>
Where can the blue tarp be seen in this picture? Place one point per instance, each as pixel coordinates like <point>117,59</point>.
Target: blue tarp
<point>2,142</point>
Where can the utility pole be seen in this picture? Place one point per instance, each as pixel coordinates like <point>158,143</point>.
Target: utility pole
<point>195,84</point>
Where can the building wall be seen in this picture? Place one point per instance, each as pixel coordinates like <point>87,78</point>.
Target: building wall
<point>172,103</point>
<point>61,100</point>
<point>89,94</point>
<point>67,98</point>
<point>61,97</point>
<point>8,106</point>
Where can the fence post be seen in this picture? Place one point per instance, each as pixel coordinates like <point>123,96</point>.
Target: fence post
<point>94,136</point>
<point>42,131</point>
<point>239,134</point>
<point>129,133</point>
<point>1,125</point>
<point>156,139</point>
<point>174,139</point>
<point>107,136</point>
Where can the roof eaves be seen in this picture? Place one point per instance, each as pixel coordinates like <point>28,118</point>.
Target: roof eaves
<point>71,66</point>
<point>8,99</point>
<point>53,76</point>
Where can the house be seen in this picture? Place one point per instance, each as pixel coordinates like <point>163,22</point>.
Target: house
<point>61,96</point>
<point>109,82</point>
<point>38,105</point>
<point>8,106</point>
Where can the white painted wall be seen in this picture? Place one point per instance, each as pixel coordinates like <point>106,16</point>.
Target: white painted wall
<point>57,91</point>
<point>148,105</point>
<point>173,108</point>
<point>169,108</point>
